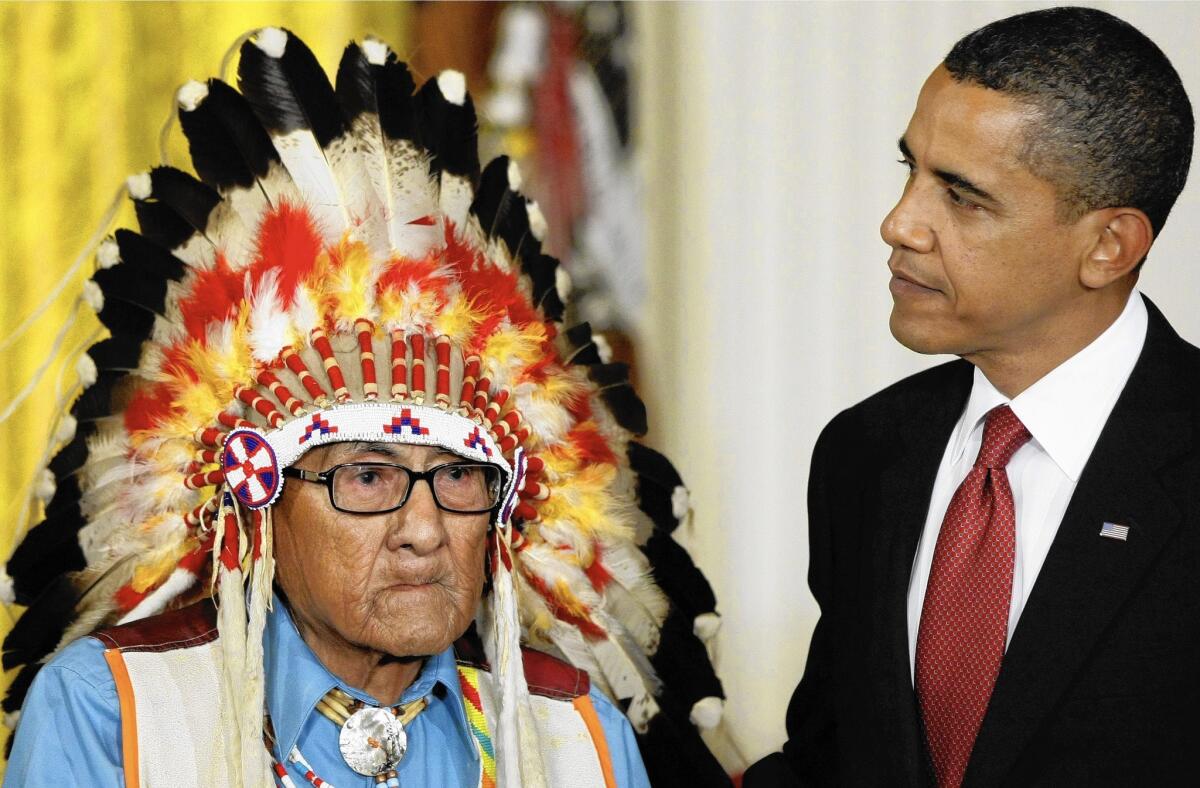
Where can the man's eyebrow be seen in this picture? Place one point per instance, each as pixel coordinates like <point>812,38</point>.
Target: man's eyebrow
<point>373,447</point>
<point>962,184</point>
<point>950,178</point>
<point>389,450</point>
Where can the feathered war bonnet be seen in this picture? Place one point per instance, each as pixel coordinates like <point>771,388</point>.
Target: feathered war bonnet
<point>342,270</point>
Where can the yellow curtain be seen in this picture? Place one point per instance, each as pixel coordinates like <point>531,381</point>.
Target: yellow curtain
<point>85,89</point>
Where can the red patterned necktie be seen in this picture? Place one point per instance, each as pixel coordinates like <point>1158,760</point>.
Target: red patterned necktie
<point>964,620</point>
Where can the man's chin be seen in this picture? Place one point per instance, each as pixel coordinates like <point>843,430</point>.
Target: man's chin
<point>417,631</point>
<point>413,645</point>
<point>920,335</point>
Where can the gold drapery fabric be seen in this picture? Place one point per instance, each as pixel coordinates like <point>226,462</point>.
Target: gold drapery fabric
<point>84,94</point>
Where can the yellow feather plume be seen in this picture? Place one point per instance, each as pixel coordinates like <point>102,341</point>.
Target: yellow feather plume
<point>161,563</point>
<point>408,309</point>
<point>514,347</point>
<point>351,287</point>
<point>566,597</point>
<point>582,496</point>
<point>458,319</point>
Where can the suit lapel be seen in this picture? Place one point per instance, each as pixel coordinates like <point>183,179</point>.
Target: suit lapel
<point>906,486</point>
<point>1085,577</point>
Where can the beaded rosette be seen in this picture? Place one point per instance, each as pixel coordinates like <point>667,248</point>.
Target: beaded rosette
<point>342,270</point>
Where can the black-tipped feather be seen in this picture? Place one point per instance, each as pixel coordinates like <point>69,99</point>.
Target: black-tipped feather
<point>490,193</point>
<point>290,92</point>
<point>542,272</point>
<point>118,316</point>
<point>38,631</point>
<point>66,495</point>
<point>513,226</point>
<point>678,576</point>
<point>355,84</point>
<point>130,284</point>
<point>152,259</point>
<point>658,503</point>
<point>71,456</point>
<point>683,660</point>
<point>189,198</point>
<point>51,548</point>
<point>674,754</point>
<point>618,394</point>
<point>139,280</point>
<point>653,466</point>
<point>502,212</point>
<point>229,146</point>
<point>118,353</point>
<point>449,131</point>
<point>18,689</point>
<point>395,89</point>
<point>584,350</point>
<point>159,222</point>
<point>96,400</point>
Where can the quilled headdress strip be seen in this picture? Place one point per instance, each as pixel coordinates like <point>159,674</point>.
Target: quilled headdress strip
<point>339,269</point>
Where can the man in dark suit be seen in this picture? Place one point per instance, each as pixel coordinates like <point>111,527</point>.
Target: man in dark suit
<point>1006,548</point>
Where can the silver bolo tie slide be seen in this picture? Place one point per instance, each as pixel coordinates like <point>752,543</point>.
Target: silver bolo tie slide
<point>372,739</point>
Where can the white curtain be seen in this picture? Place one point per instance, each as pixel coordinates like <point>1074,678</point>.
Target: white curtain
<point>769,137</point>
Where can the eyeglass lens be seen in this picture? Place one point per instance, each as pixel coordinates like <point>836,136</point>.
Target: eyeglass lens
<point>365,487</point>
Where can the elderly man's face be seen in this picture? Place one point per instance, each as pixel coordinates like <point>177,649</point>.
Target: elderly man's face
<point>981,261</point>
<point>405,583</point>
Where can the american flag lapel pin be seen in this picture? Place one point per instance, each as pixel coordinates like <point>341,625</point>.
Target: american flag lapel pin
<point>1115,531</point>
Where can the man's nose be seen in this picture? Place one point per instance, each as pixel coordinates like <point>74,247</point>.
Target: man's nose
<point>907,225</point>
<point>418,524</point>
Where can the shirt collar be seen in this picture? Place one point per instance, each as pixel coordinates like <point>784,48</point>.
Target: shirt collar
<point>296,679</point>
<point>1067,408</point>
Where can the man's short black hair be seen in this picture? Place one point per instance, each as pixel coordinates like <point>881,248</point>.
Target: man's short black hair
<point>1113,125</point>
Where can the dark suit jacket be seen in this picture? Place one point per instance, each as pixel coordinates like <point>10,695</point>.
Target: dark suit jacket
<point>1100,684</point>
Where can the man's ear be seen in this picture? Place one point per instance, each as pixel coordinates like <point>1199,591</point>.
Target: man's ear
<point>1119,238</point>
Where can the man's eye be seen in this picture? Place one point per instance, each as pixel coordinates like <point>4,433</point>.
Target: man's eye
<point>459,473</point>
<point>959,200</point>
<point>366,478</point>
<point>908,165</point>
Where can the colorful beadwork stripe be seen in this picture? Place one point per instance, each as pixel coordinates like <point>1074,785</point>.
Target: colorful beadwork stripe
<point>473,705</point>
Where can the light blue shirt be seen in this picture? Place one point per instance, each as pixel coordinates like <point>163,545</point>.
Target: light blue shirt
<point>70,729</point>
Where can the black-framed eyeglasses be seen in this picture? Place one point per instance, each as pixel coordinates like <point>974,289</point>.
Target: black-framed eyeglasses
<point>378,488</point>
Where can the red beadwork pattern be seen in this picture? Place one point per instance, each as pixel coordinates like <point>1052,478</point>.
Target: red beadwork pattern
<point>317,425</point>
<point>475,441</point>
<point>405,421</point>
<point>964,619</point>
<point>250,468</point>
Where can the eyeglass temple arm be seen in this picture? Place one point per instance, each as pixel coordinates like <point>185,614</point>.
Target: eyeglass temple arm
<point>308,476</point>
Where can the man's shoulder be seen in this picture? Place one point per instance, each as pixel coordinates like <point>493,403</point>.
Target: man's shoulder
<point>83,659</point>
<point>545,674</point>
<point>949,379</point>
<point>183,628</point>
<point>903,399</point>
<point>1169,356</point>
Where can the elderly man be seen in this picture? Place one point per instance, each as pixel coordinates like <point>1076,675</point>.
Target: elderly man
<point>336,401</point>
<point>1006,548</point>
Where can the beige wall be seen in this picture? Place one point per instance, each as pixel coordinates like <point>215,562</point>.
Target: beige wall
<point>769,133</point>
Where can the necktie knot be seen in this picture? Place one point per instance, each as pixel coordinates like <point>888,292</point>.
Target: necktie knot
<point>1003,434</point>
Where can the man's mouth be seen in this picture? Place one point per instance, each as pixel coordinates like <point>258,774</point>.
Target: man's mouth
<point>905,284</point>
<point>413,583</point>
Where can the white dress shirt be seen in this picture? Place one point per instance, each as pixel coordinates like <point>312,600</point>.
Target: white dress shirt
<point>1064,412</point>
